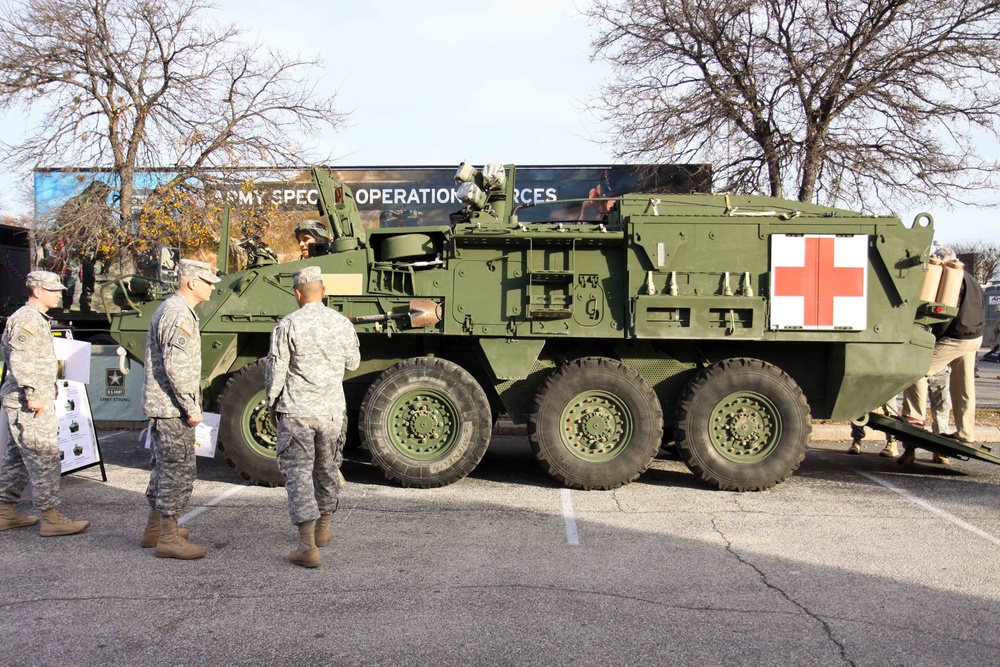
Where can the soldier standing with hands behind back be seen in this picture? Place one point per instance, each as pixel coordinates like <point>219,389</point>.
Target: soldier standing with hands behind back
<point>28,395</point>
<point>171,397</point>
<point>310,350</point>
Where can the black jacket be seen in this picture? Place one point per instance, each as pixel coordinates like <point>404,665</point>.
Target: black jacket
<point>971,319</point>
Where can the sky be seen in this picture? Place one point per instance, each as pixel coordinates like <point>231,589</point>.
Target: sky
<point>438,82</point>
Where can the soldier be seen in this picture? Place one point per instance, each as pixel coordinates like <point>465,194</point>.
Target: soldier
<point>958,341</point>
<point>995,334</point>
<point>28,395</point>
<point>171,397</point>
<point>310,350</point>
<point>858,435</point>
<point>310,232</point>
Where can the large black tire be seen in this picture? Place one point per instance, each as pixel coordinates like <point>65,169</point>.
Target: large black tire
<point>595,424</point>
<point>743,425</point>
<point>246,437</point>
<point>426,422</point>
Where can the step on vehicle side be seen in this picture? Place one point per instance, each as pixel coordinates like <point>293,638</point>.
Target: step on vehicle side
<point>726,323</point>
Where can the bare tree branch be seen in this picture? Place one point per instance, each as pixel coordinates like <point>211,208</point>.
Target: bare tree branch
<point>986,264</point>
<point>133,84</point>
<point>870,103</point>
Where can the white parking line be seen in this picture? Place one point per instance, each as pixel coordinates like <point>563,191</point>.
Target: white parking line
<point>947,516</point>
<point>211,503</point>
<point>572,536</point>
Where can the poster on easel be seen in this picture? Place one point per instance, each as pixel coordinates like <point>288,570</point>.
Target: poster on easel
<point>77,439</point>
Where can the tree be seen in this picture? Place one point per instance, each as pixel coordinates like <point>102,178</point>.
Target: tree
<point>130,84</point>
<point>865,102</point>
<point>986,264</point>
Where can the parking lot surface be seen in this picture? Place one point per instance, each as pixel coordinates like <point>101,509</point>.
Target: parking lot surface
<point>855,560</point>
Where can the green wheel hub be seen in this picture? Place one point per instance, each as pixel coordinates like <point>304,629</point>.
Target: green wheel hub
<point>257,429</point>
<point>596,426</point>
<point>745,427</point>
<point>423,425</point>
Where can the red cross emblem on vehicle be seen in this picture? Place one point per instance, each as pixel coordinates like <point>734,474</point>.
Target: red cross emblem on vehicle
<point>819,282</point>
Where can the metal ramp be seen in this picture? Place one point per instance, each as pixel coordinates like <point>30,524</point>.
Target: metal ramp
<point>909,434</point>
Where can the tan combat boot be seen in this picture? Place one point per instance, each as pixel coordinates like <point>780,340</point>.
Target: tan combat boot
<point>307,555</point>
<point>9,518</point>
<point>889,450</point>
<point>151,535</point>
<point>172,545</point>
<point>55,524</point>
<point>855,447</point>
<point>323,531</point>
<point>909,456</point>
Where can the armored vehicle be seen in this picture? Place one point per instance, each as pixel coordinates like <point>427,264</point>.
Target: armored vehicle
<point>726,323</point>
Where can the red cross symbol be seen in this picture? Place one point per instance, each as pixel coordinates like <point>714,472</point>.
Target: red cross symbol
<point>819,281</point>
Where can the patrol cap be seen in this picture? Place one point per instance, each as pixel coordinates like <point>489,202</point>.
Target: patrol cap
<point>44,279</point>
<point>314,227</point>
<point>192,268</point>
<point>307,275</point>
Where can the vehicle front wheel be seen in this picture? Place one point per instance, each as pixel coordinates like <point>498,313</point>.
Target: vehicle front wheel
<point>247,439</point>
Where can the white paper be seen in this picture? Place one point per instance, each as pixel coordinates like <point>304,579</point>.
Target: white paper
<point>206,435</point>
<point>75,355</point>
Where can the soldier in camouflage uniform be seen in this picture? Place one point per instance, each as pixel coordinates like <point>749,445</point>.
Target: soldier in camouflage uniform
<point>171,397</point>
<point>308,233</point>
<point>995,334</point>
<point>310,350</point>
<point>28,395</point>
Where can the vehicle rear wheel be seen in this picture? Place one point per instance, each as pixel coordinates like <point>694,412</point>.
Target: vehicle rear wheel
<point>743,425</point>
<point>595,424</point>
<point>426,422</point>
<point>246,437</point>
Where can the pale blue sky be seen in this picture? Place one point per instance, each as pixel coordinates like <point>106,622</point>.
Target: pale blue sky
<point>437,82</point>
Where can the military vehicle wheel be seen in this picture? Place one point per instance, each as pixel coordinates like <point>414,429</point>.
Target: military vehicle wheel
<point>743,425</point>
<point>246,437</point>
<point>426,422</point>
<point>595,424</point>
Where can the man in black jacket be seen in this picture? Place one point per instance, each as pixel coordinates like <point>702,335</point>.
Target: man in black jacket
<point>958,341</point>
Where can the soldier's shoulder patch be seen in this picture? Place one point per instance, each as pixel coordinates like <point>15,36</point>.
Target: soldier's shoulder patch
<point>182,341</point>
<point>30,328</point>
<point>185,327</point>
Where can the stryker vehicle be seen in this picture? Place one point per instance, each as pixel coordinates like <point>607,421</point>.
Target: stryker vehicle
<point>726,323</point>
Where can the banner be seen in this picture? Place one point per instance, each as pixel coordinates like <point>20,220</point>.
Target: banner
<point>114,396</point>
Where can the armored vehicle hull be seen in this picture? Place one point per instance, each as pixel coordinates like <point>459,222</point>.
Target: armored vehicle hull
<point>724,323</point>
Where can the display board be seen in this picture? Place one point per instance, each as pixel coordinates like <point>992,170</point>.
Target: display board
<point>77,439</point>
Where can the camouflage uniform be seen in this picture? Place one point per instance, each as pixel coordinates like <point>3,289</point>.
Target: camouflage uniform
<point>310,350</point>
<point>32,452</point>
<point>170,395</point>
<point>939,393</point>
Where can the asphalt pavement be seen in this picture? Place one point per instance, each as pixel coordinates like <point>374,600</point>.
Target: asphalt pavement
<point>854,560</point>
